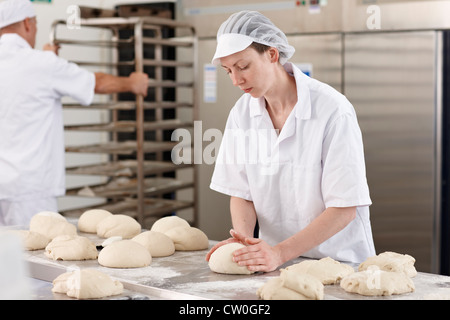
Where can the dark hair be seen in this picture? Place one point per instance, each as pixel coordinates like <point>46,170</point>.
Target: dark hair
<point>260,48</point>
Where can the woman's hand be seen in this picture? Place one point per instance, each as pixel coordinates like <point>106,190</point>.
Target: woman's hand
<point>258,256</point>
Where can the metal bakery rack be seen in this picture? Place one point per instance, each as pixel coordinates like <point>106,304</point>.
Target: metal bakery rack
<point>138,177</point>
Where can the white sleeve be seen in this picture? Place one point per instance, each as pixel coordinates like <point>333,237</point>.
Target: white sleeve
<point>68,79</point>
<point>344,182</point>
<point>229,176</point>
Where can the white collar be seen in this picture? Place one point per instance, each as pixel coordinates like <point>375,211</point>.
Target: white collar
<point>14,38</point>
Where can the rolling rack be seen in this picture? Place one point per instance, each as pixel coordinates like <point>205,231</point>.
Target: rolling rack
<point>139,179</point>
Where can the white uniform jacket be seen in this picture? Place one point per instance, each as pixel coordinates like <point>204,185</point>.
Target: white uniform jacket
<point>32,83</point>
<point>316,162</point>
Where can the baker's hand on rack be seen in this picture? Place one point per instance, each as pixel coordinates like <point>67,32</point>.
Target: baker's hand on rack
<point>257,256</point>
<point>139,83</point>
<point>51,47</point>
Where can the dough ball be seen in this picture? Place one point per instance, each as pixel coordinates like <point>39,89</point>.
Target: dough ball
<point>70,247</point>
<point>110,240</point>
<point>32,240</point>
<point>87,284</point>
<point>51,225</point>
<point>51,214</point>
<point>188,238</point>
<point>164,224</point>
<point>327,270</point>
<point>157,243</point>
<point>292,286</point>
<point>89,219</point>
<point>376,282</point>
<point>118,225</point>
<point>221,260</point>
<point>124,254</point>
<point>391,261</point>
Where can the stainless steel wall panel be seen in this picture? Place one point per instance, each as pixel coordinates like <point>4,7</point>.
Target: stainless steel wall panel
<point>290,16</point>
<point>390,78</point>
<point>396,14</point>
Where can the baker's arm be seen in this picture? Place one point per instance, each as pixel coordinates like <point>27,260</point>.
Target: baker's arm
<point>136,83</point>
<point>243,217</point>
<point>329,223</point>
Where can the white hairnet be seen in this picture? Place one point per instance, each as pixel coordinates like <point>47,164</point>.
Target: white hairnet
<point>12,11</point>
<point>243,28</point>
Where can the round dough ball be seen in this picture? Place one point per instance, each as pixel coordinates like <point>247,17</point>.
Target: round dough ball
<point>32,240</point>
<point>376,282</point>
<point>110,240</point>
<point>165,224</point>
<point>124,254</point>
<point>118,225</point>
<point>157,243</point>
<point>51,226</point>
<point>188,238</point>
<point>89,219</point>
<point>51,214</point>
<point>221,260</point>
<point>87,284</point>
<point>70,247</point>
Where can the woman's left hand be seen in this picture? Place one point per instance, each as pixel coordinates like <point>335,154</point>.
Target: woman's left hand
<point>258,256</point>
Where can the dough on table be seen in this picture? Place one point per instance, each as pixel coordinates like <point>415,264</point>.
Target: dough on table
<point>87,284</point>
<point>166,223</point>
<point>124,254</point>
<point>89,220</point>
<point>52,214</point>
<point>110,240</point>
<point>291,285</point>
<point>118,225</point>
<point>376,282</point>
<point>327,270</point>
<point>157,243</point>
<point>51,225</point>
<point>71,247</point>
<point>221,260</point>
<point>188,238</point>
<point>391,261</point>
<point>32,240</point>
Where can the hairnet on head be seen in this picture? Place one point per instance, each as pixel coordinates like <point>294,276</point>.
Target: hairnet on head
<point>243,28</point>
<point>12,11</point>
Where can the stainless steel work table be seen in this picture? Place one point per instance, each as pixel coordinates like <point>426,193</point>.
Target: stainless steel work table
<point>186,275</point>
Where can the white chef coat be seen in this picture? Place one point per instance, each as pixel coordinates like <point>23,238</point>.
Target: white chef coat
<point>316,162</point>
<point>32,83</point>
